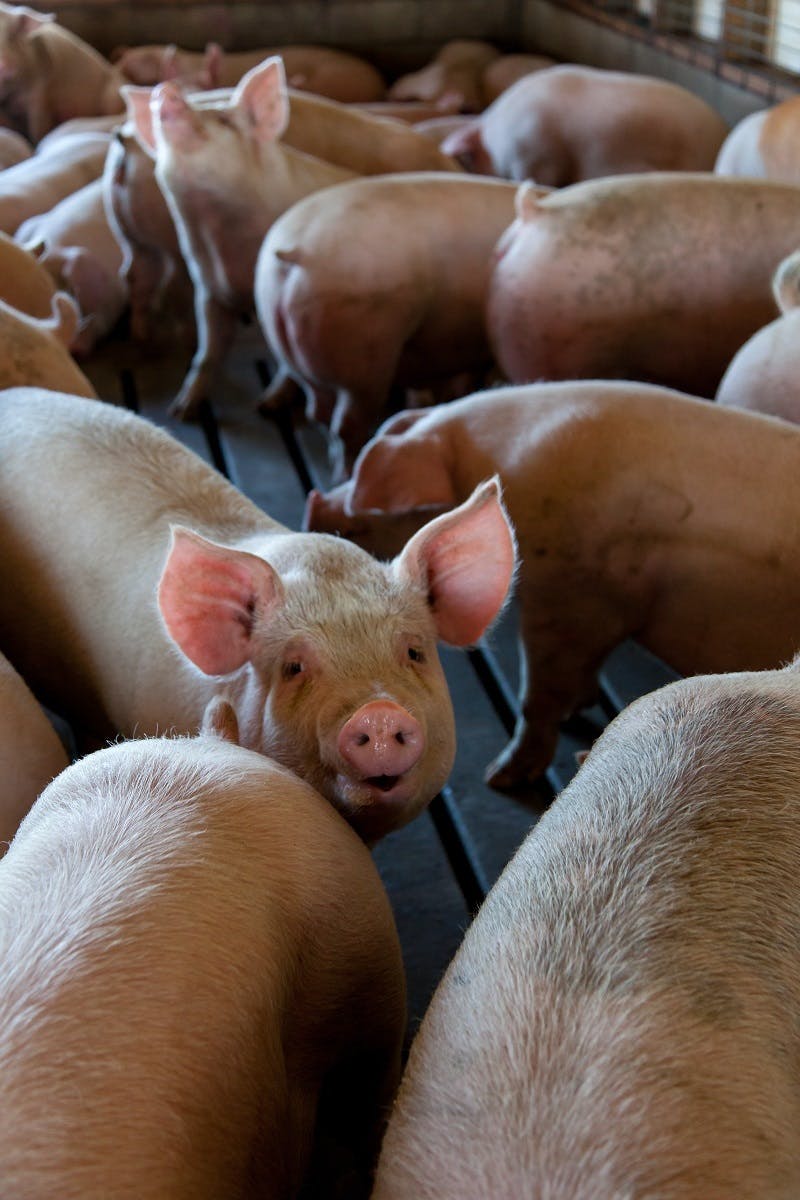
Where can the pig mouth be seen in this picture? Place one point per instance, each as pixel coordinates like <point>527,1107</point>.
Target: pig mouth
<point>384,783</point>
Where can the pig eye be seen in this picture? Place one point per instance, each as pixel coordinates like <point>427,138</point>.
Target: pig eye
<point>415,655</point>
<point>290,669</point>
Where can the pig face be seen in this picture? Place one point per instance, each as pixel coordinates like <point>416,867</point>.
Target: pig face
<point>333,656</point>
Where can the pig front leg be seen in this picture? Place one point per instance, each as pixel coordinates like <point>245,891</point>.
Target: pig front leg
<point>561,652</point>
<point>216,329</point>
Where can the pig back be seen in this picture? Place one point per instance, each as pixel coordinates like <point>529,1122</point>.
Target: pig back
<point>621,1018</point>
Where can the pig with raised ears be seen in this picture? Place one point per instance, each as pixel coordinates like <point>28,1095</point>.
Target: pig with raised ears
<point>622,1017</point>
<point>632,521</point>
<point>179,589</point>
<point>226,177</point>
<point>203,989</point>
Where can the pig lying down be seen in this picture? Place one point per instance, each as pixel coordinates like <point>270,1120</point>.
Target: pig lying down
<point>635,516</point>
<point>141,584</point>
<point>178,986</point>
<point>622,1017</point>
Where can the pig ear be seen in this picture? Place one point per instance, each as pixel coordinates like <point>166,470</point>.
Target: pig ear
<point>394,473</point>
<point>220,721</point>
<point>140,114</point>
<point>212,65</point>
<point>211,598</point>
<point>261,97</point>
<point>26,21</point>
<point>465,561</point>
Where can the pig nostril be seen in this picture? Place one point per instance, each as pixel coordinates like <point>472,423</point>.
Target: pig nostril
<point>362,739</point>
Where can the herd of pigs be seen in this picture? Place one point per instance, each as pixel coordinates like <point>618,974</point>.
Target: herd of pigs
<point>201,986</point>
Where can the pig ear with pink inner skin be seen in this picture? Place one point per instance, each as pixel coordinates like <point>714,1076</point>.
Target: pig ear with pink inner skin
<point>211,598</point>
<point>465,561</point>
<point>140,114</point>
<point>220,721</point>
<point>263,101</point>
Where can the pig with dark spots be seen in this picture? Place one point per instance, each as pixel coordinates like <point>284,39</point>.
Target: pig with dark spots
<point>568,123</point>
<point>198,951</point>
<point>764,374</point>
<point>632,519</point>
<point>349,334</point>
<point>622,1017</point>
<point>179,589</point>
<point>659,277</point>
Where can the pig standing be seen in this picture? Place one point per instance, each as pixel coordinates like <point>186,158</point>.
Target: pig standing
<point>634,519</point>
<point>349,332</point>
<point>200,965</point>
<point>454,76</point>
<point>48,75</point>
<point>764,375</point>
<point>621,1018</point>
<point>568,123</point>
<point>37,184</point>
<point>659,277</point>
<point>34,351</point>
<point>74,242</point>
<point>30,751</point>
<point>152,265</point>
<point>763,145</point>
<point>328,657</point>
<point>323,70</point>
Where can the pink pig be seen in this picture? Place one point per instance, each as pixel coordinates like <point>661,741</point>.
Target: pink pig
<point>141,584</point>
<point>764,374</point>
<point>202,984</point>
<point>568,123</point>
<point>348,332</point>
<point>763,145</point>
<point>31,753</point>
<point>622,1017</point>
<point>658,277</point>
<point>74,242</point>
<point>632,520</point>
<point>34,350</point>
<point>48,75</point>
<point>454,76</point>
<point>41,181</point>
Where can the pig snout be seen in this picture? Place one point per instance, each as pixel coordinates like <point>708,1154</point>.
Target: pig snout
<point>381,741</point>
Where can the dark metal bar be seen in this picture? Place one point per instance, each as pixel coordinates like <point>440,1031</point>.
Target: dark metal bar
<point>208,424</point>
<point>456,843</point>
<point>130,394</point>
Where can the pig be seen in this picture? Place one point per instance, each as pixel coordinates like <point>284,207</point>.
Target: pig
<point>763,374</point>
<point>79,125</point>
<point>632,519</point>
<point>455,74</point>
<point>152,266</point>
<point>621,1018</point>
<point>566,124</point>
<point>74,242</point>
<point>37,184</point>
<point>506,69</point>
<point>323,70</point>
<point>24,283</point>
<point>31,753</point>
<point>202,982</point>
<point>763,145</point>
<point>48,75</point>
<point>140,584</point>
<point>14,148</point>
<point>658,277</point>
<point>348,332</point>
<point>34,351</point>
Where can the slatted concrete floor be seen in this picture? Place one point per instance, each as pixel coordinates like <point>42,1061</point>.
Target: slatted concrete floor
<point>437,869</point>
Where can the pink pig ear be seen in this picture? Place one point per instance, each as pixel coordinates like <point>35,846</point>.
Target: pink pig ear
<point>211,596</point>
<point>26,21</point>
<point>220,721</point>
<point>140,114</point>
<point>465,560</point>
<point>261,97</point>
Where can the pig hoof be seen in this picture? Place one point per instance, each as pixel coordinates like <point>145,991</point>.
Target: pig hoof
<point>505,775</point>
